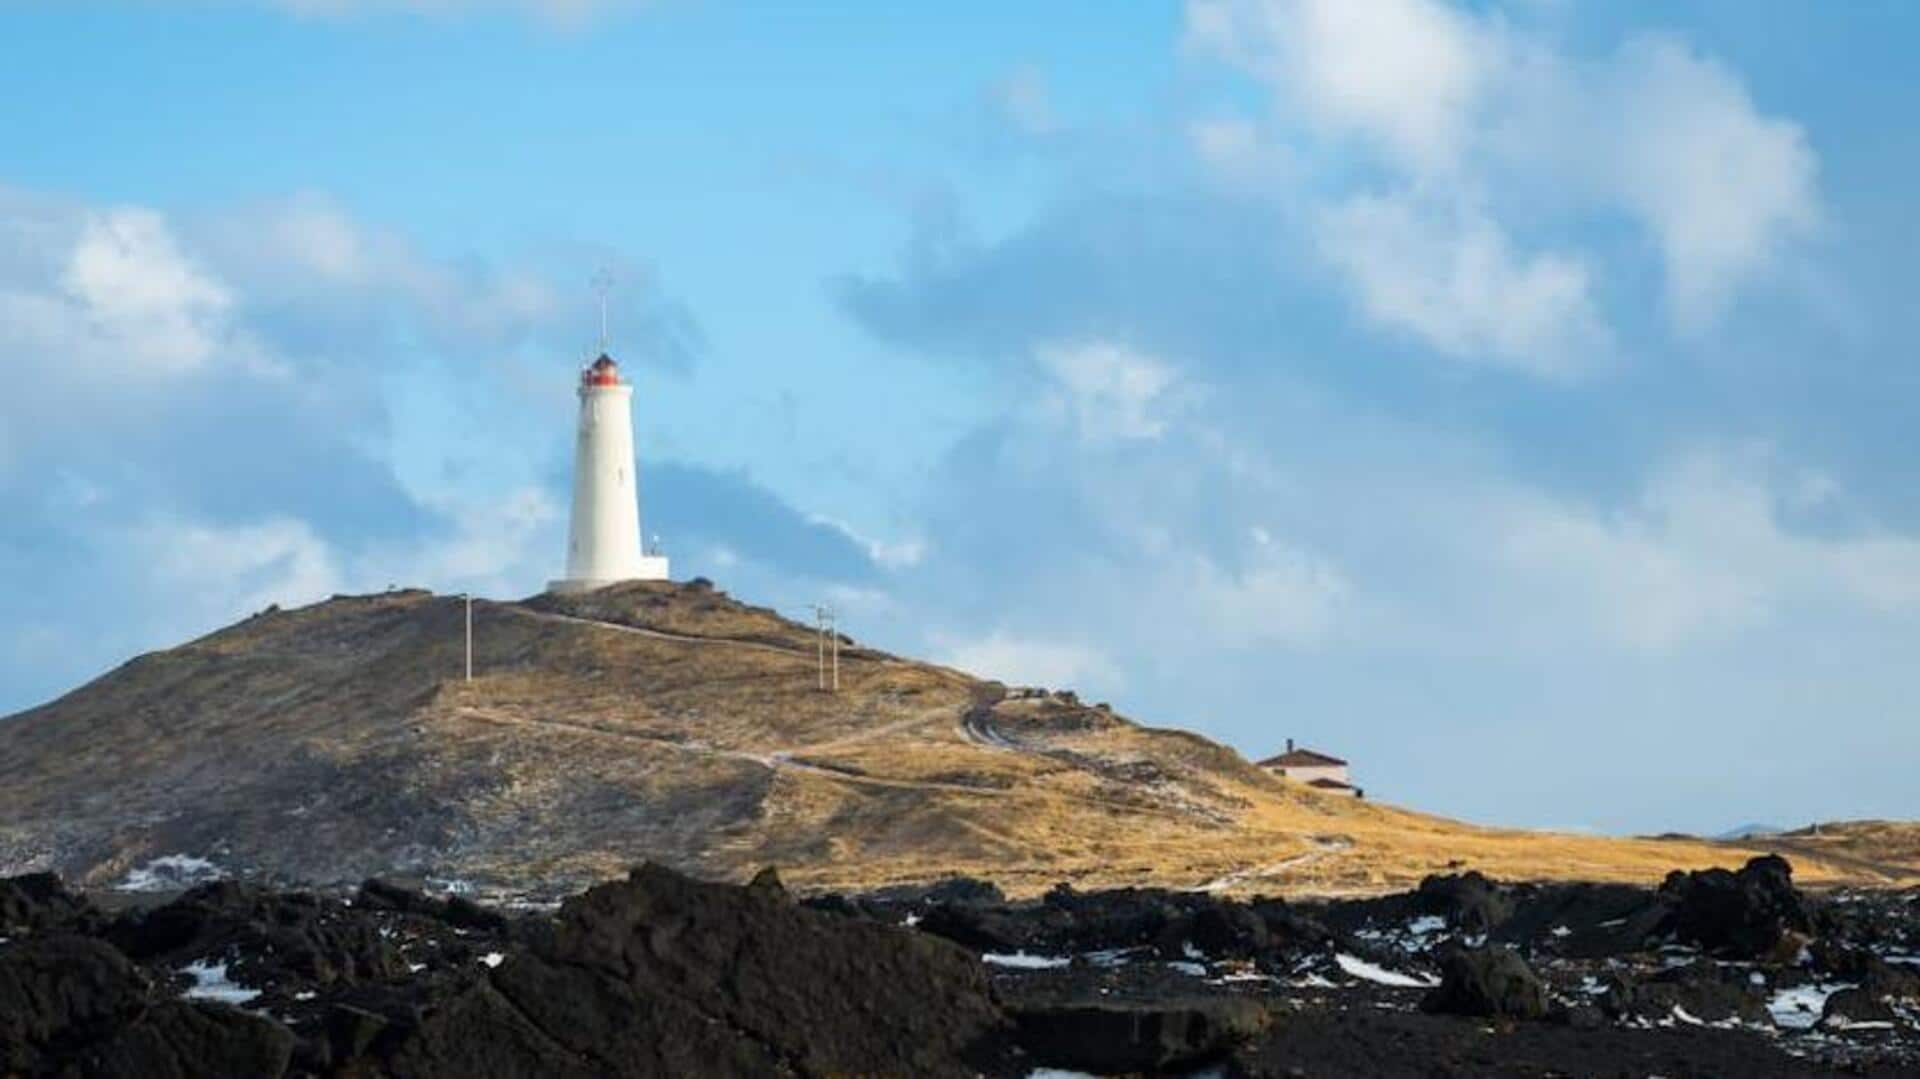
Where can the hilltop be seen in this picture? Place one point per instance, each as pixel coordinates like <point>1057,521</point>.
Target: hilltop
<point>671,722</point>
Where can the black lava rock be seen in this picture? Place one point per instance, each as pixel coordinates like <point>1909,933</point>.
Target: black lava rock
<point>76,1006</point>
<point>663,975</point>
<point>39,902</point>
<point>1468,901</point>
<point>1852,1007</point>
<point>1741,915</point>
<point>1486,982</point>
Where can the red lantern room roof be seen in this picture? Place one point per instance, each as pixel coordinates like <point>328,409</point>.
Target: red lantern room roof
<point>602,372</point>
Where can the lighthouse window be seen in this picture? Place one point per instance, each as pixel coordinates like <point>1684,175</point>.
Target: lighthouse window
<point>621,474</point>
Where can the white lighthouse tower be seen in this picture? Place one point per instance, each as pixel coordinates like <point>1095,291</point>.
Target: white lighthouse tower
<point>603,546</point>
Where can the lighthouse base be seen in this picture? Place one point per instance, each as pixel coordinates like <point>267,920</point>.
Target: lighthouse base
<point>650,568</point>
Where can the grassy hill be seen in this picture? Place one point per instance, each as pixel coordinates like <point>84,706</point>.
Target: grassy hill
<point>672,722</point>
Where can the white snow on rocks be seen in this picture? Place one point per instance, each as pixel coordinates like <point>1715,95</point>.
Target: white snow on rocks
<point>493,959</point>
<point>1366,971</point>
<point>1023,961</point>
<point>210,982</point>
<point>170,873</point>
<point>1799,1008</point>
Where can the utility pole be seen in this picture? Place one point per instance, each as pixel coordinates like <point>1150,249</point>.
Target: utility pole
<point>468,596</point>
<point>827,655</point>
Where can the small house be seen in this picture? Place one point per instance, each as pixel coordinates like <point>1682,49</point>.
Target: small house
<point>1317,770</point>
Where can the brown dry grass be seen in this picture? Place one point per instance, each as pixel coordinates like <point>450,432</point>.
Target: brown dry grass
<point>669,722</point>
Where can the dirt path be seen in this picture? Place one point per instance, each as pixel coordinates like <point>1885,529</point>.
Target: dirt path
<point>1321,849</point>
<point>776,760</point>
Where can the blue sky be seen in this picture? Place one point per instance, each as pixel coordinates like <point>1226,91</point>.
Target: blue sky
<point>1516,398</point>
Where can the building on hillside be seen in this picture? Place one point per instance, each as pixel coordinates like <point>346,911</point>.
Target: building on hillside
<point>1315,769</point>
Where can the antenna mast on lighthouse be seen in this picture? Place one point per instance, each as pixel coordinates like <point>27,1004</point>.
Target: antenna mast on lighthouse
<point>603,287</point>
<point>603,542</point>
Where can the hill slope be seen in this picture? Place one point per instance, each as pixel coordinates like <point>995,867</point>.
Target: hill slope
<point>671,722</point>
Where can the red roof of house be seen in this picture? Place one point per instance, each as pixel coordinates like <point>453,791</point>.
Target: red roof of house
<point>1302,758</point>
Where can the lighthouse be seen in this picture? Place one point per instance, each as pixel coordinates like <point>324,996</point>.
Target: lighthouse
<point>603,543</point>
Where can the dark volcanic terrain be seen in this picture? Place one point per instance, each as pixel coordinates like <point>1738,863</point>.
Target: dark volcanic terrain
<point>1714,973</point>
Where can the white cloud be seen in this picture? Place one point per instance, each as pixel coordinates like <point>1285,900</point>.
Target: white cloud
<point>1723,187</point>
<point>903,554</point>
<point>203,575</point>
<point>1109,393</point>
<point>1282,595</point>
<point>1031,661</point>
<point>1453,278</point>
<point>1704,554</point>
<point>1402,74</point>
<point>153,308</point>
<point>498,545</point>
<point>308,250</point>
<point>1457,104</point>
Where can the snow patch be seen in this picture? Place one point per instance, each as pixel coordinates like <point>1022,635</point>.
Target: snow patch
<point>1841,1022</point>
<point>210,982</point>
<point>1799,1008</point>
<point>170,873</point>
<point>493,959</point>
<point>1426,925</point>
<point>1366,971</point>
<point>1023,961</point>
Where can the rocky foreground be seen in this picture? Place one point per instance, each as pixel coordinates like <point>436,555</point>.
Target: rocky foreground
<point>1714,973</point>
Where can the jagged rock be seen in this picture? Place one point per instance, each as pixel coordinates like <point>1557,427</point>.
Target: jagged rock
<point>39,902</point>
<point>1110,1039</point>
<point>663,975</point>
<point>1852,1007</point>
<point>1288,927</point>
<point>1468,901</point>
<point>58,989</point>
<point>1121,918</point>
<point>1583,920</point>
<point>1486,982</point>
<point>1742,915</point>
<point>290,939</point>
<point>964,890</point>
<point>1863,968</point>
<point>1705,992</point>
<point>981,929</point>
<point>768,881</point>
<point>77,1006</point>
<point>191,1040</point>
<point>1228,929</point>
